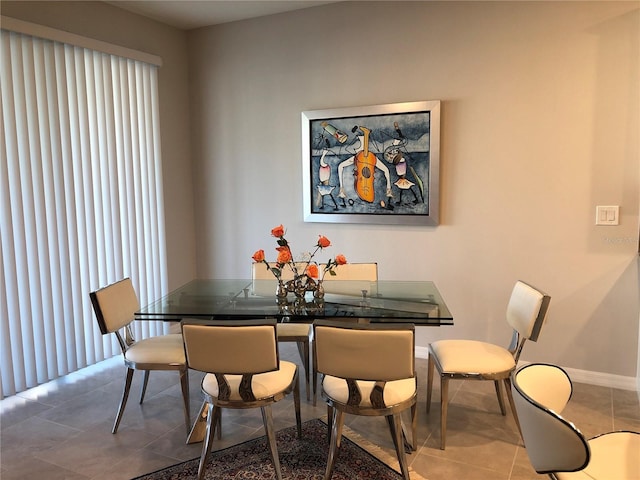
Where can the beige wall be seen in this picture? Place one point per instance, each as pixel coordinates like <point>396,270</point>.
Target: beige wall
<point>104,22</point>
<point>539,125</point>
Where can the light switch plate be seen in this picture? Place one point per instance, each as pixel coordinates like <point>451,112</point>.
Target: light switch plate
<point>607,214</point>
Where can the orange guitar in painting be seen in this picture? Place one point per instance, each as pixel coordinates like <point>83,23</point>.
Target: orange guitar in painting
<point>365,164</point>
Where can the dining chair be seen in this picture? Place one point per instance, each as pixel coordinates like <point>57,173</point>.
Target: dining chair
<point>477,360</point>
<point>554,444</point>
<point>367,370</point>
<point>243,370</point>
<point>114,307</point>
<point>358,279</point>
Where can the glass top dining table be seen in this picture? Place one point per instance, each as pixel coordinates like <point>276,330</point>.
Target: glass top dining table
<point>417,302</point>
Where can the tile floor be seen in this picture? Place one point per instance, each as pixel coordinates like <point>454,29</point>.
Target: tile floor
<point>62,430</point>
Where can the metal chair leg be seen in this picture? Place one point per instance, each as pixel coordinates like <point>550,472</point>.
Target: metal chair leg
<point>267,419</point>
<point>296,403</point>
<point>395,426</point>
<point>430,371</point>
<point>498,386</point>
<point>143,390</point>
<point>507,383</point>
<point>303,350</point>
<point>414,427</point>
<point>206,447</point>
<point>334,445</point>
<point>184,384</point>
<point>123,401</point>
<point>444,407</point>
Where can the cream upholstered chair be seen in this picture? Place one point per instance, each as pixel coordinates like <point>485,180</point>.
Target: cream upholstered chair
<point>349,279</point>
<point>555,446</point>
<point>475,360</point>
<point>369,370</point>
<point>360,276</point>
<point>114,307</point>
<point>243,370</point>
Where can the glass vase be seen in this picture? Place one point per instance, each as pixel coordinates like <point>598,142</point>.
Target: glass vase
<point>318,292</point>
<point>281,290</point>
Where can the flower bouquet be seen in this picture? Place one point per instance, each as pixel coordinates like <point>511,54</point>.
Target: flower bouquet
<point>306,271</point>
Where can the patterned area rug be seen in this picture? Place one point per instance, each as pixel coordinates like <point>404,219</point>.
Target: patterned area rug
<point>304,459</point>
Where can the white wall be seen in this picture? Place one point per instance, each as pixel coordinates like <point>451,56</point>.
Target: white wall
<point>539,125</point>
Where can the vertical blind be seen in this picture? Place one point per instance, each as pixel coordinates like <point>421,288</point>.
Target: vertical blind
<point>80,202</point>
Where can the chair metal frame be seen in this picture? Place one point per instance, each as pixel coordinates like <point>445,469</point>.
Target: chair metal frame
<point>117,319</point>
<point>364,341</point>
<point>234,353</point>
<point>521,333</point>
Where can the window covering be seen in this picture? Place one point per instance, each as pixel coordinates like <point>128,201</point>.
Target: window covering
<point>81,202</point>
<point>48,33</point>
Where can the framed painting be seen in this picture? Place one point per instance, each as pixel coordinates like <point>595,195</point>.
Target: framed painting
<point>377,164</point>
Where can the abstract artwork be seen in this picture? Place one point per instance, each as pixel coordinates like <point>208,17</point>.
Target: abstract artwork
<point>376,164</point>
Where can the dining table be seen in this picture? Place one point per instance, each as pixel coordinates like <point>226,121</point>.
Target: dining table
<point>388,301</point>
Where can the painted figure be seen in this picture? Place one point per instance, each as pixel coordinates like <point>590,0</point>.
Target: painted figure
<point>394,155</point>
<point>365,162</point>
<point>324,188</point>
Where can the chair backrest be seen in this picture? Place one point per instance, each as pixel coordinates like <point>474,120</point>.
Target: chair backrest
<point>259,271</point>
<point>374,352</point>
<point>231,347</point>
<point>115,305</point>
<point>350,278</point>
<point>526,313</point>
<point>553,444</point>
<point>263,281</point>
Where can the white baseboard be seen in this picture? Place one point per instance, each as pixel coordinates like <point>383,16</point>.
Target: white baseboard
<point>579,376</point>
<point>603,379</point>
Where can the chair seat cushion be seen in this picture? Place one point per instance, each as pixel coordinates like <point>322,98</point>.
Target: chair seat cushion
<point>395,392</point>
<point>264,385</point>
<point>613,455</point>
<point>471,356</point>
<point>293,329</point>
<point>164,350</point>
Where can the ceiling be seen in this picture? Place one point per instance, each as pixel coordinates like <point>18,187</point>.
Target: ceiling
<point>190,14</point>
